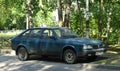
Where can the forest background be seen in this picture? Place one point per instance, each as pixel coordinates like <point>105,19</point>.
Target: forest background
<point>103,23</point>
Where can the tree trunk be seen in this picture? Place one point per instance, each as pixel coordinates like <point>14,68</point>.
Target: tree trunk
<point>80,18</point>
<point>67,14</point>
<point>100,17</point>
<point>108,21</point>
<point>28,14</point>
<point>87,19</point>
<point>108,25</point>
<point>60,16</point>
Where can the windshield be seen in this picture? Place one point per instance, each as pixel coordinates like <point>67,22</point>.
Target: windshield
<point>65,33</point>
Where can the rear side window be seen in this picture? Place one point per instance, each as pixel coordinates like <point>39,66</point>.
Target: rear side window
<point>31,33</point>
<point>35,33</point>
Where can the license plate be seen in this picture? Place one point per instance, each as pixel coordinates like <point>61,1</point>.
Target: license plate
<point>99,53</point>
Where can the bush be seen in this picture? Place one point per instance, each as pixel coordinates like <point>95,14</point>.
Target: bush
<point>5,38</point>
<point>5,42</point>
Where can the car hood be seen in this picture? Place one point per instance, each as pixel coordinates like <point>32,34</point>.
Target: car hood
<point>83,41</point>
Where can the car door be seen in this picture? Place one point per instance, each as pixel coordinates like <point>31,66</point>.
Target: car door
<point>34,41</point>
<point>49,43</point>
<point>31,40</point>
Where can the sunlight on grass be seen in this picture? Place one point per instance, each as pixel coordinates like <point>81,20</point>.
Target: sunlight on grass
<point>11,33</point>
<point>115,46</point>
<point>113,54</point>
<point>113,61</point>
<point>113,50</point>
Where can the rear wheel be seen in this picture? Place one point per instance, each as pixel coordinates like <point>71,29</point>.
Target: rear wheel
<point>22,54</point>
<point>69,56</point>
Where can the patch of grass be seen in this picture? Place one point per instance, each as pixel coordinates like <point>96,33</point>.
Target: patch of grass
<point>5,42</point>
<point>112,61</point>
<point>5,39</point>
<point>113,53</point>
<point>113,50</point>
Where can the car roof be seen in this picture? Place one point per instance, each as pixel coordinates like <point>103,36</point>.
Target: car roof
<point>49,28</point>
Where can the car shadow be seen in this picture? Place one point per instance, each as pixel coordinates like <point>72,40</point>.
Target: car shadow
<point>58,60</point>
<point>47,59</point>
<point>92,60</point>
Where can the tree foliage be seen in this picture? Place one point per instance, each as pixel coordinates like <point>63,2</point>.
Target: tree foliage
<point>104,17</point>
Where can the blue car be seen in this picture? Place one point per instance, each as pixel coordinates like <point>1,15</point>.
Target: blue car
<point>56,42</point>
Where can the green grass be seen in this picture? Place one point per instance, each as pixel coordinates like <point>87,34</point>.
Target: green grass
<point>112,61</point>
<point>114,54</point>
<point>8,34</point>
<point>113,50</point>
<point>5,39</point>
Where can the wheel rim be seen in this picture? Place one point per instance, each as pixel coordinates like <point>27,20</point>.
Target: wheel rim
<point>70,57</point>
<point>22,54</point>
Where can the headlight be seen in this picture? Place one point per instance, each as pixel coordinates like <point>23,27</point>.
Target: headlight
<point>85,47</point>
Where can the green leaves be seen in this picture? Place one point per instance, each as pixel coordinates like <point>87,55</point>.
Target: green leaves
<point>11,12</point>
<point>13,16</point>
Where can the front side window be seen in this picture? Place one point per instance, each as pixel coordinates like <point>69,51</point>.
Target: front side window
<point>47,33</point>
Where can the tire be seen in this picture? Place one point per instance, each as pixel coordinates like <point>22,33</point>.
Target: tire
<point>70,56</point>
<point>22,54</point>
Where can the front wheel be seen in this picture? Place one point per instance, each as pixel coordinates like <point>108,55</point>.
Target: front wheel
<point>69,56</point>
<point>22,54</point>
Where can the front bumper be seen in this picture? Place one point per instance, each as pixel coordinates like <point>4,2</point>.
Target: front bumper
<point>92,52</point>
